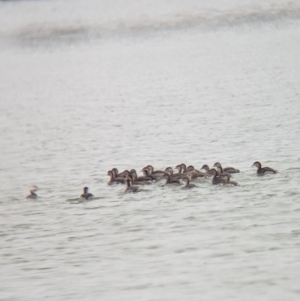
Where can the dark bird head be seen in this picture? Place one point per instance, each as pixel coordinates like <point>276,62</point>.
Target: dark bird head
<point>205,167</point>
<point>256,164</point>
<point>217,164</point>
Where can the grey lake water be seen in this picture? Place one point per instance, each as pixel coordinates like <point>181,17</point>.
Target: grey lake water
<point>86,86</point>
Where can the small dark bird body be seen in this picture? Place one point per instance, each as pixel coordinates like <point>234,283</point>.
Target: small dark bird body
<point>187,184</point>
<point>86,195</point>
<point>263,170</point>
<point>129,185</point>
<point>32,194</point>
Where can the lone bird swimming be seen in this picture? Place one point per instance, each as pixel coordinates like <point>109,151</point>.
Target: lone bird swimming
<point>263,170</point>
<point>86,195</point>
<point>32,194</point>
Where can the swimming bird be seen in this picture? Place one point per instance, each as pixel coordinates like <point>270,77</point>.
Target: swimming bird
<point>32,194</point>
<point>175,176</point>
<point>115,172</point>
<point>187,183</point>
<point>113,179</point>
<point>207,173</point>
<point>152,171</point>
<point>145,177</point>
<point>170,180</point>
<point>217,179</point>
<point>86,195</point>
<point>120,176</point>
<point>227,182</point>
<point>181,168</point>
<point>263,170</point>
<point>129,186</point>
<point>194,173</point>
<point>226,169</point>
<point>140,180</point>
<point>178,175</point>
<point>156,174</point>
<point>221,173</point>
<point>123,174</point>
<point>170,172</point>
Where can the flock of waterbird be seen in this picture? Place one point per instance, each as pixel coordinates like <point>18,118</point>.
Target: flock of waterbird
<point>184,174</point>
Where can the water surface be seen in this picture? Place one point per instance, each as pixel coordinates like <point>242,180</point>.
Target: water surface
<point>87,86</point>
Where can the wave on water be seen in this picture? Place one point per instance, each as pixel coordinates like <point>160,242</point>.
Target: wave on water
<point>204,20</point>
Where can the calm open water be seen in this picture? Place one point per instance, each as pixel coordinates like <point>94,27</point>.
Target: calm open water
<point>90,85</point>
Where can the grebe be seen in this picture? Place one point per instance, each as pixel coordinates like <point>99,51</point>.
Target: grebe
<point>86,195</point>
<point>194,173</point>
<point>157,174</point>
<point>123,174</point>
<point>168,170</point>
<point>152,171</point>
<point>208,172</point>
<point>188,185</point>
<point>32,194</point>
<point>141,180</point>
<point>120,176</point>
<point>217,179</point>
<point>169,180</point>
<point>263,170</point>
<point>113,179</point>
<point>227,182</point>
<point>145,177</point>
<point>226,169</point>
<point>173,176</point>
<point>129,186</point>
<point>181,168</point>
